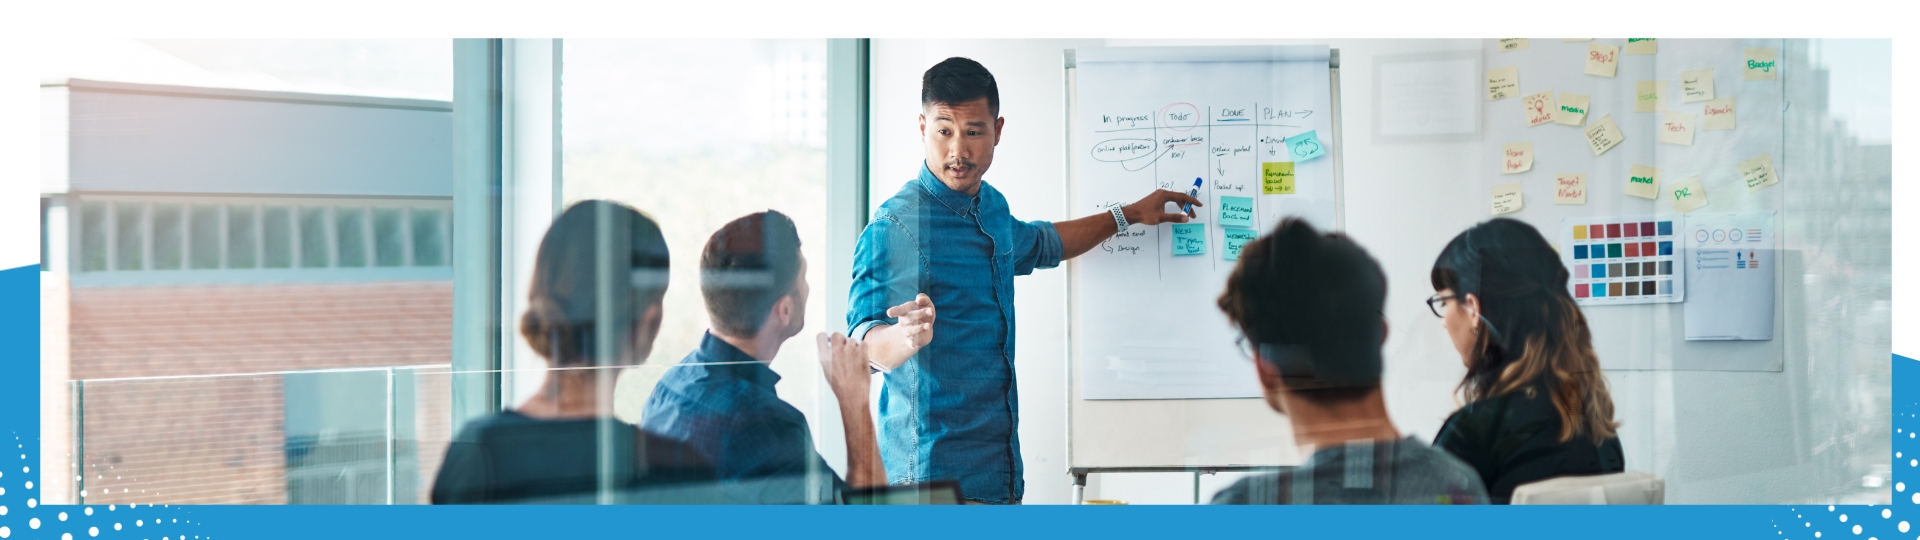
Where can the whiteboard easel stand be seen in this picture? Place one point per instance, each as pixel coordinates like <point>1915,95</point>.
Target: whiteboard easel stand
<point>1339,197</point>
<point>1080,475</point>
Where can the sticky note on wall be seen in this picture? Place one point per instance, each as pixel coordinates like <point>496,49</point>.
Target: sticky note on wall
<point>1276,178</point>
<point>1676,128</point>
<point>1759,64</point>
<point>1696,85</point>
<point>1604,135</point>
<point>1305,146</point>
<point>1643,182</point>
<point>1718,115</point>
<point>1649,96</point>
<point>1570,188</point>
<point>1512,44</point>
<point>1758,172</point>
<point>1502,83</point>
<point>1189,238</point>
<point>1539,108</point>
<point>1516,157</point>
<point>1642,45</point>
<point>1687,195</point>
<point>1602,59</point>
<point>1573,109</point>
<point>1236,240</point>
<point>1236,212</point>
<point>1506,199</point>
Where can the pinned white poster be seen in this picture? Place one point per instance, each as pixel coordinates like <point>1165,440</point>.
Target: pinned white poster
<point>1731,264</point>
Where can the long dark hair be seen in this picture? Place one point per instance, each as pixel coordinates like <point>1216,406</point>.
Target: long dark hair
<point>599,265</point>
<point>1533,332</point>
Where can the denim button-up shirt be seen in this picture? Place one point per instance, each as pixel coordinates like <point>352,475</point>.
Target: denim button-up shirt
<point>950,412</point>
<point>722,402</point>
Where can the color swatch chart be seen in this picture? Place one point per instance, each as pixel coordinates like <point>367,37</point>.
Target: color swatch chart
<point>1623,260</point>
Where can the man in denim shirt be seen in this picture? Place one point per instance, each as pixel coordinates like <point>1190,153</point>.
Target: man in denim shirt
<point>948,409</point>
<point>720,399</point>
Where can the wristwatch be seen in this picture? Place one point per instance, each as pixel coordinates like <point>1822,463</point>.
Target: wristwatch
<point>1119,217</point>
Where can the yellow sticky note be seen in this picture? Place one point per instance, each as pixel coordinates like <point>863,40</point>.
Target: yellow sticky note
<point>1649,96</point>
<point>1502,83</point>
<point>1643,182</point>
<point>1604,135</point>
<point>1718,115</point>
<point>1696,85</point>
<point>1573,109</point>
<point>1506,198</point>
<point>1758,172</point>
<point>1602,59</point>
<point>1687,195</point>
<point>1570,188</point>
<point>1642,45</point>
<point>1516,157</point>
<point>1676,128</point>
<point>1539,108</point>
<point>1759,64</point>
<point>1276,178</point>
<point>1512,44</point>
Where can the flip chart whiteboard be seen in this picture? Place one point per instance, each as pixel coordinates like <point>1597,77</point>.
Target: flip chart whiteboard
<point>1258,128</point>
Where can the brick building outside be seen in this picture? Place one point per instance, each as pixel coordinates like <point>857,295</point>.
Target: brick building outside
<point>246,295</point>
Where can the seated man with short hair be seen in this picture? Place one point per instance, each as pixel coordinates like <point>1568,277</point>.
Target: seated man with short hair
<point>1310,309</point>
<point>720,399</point>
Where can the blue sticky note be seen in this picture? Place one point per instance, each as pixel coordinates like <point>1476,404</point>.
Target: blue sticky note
<point>1305,146</point>
<point>1666,228</point>
<point>1236,239</point>
<point>1599,271</point>
<point>1236,212</point>
<point>1189,238</point>
<point>1666,248</point>
<point>1580,251</point>
<point>1599,290</point>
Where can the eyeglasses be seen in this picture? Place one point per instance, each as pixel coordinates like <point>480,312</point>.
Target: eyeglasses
<point>1245,346</point>
<point>1437,301</point>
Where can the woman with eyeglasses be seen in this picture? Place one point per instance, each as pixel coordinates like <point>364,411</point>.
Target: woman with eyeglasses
<point>1537,404</point>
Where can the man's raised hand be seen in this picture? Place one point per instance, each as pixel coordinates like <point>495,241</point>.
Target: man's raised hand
<point>845,363</point>
<point>1152,209</point>
<point>915,319</point>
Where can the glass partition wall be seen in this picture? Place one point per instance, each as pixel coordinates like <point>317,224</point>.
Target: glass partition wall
<point>279,341</point>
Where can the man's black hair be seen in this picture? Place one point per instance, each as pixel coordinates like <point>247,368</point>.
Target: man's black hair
<point>959,80</point>
<point>1313,304</point>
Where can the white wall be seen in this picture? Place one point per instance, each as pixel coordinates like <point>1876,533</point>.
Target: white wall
<point>1717,437</point>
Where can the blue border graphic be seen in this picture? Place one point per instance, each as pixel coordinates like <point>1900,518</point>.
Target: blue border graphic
<point>21,516</point>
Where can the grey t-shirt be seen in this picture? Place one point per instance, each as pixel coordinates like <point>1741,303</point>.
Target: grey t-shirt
<point>1406,471</point>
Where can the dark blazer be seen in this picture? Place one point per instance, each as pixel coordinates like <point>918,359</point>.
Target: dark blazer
<point>1514,439</point>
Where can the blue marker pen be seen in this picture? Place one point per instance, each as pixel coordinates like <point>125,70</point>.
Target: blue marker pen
<point>1195,193</point>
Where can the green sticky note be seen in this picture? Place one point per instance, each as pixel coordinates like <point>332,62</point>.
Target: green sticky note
<point>1189,238</point>
<point>1276,178</point>
<point>1305,146</point>
<point>1236,239</point>
<point>1236,212</point>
